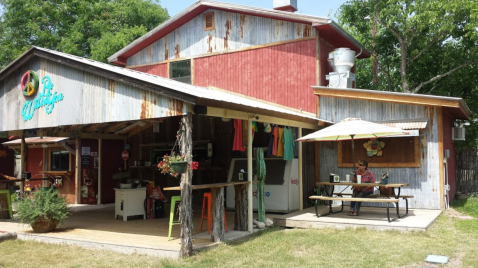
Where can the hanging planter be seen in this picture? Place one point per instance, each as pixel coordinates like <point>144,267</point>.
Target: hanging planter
<point>180,166</point>
<point>176,164</point>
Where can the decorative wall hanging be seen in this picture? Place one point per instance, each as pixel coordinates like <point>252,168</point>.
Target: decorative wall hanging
<point>374,147</point>
<point>3,153</point>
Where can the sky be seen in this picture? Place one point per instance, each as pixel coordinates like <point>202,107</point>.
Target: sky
<point>321,8</point>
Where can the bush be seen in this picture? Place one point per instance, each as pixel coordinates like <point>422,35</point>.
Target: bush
<point>43,203</point>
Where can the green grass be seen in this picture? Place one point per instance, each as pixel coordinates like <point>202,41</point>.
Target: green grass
<point>468,206</point>
<point>276,247</point>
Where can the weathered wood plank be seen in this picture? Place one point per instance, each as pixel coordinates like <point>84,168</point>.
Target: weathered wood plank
<point>240,218</point>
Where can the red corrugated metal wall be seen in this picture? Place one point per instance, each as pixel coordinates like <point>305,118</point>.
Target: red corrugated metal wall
<point>280,74</point>
<point>450,145</point>
<point>158,69</point>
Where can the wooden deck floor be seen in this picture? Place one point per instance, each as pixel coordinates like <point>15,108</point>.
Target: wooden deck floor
<point>370,218</point>
<point>95,227</point>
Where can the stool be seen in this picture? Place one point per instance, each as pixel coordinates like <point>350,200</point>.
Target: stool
<point>9,204</point>
<point>174,199</point>
<point>208,197</point>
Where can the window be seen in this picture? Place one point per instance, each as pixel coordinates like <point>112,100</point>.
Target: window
<point>208,21</point>
<point>180,71</point>
<point>59,160</point>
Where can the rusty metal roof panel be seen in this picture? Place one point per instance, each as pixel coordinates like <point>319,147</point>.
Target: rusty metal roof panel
<point>35,140</point>
<point>420,123</point>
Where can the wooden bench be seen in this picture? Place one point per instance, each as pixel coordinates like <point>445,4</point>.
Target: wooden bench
<point>404,197</point>
<point>356,199</point>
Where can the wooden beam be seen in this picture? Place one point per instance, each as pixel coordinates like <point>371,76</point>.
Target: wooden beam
<point>91,127</point>
<point>139,129</point>
<point>115,126</point>
<point>373,95</point>
<point>226,113</point>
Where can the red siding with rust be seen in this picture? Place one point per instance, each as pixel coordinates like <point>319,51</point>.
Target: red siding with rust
<point>280,74</point>
<point>7,160</point>
<point>158,69</point>
<point>34,164</point>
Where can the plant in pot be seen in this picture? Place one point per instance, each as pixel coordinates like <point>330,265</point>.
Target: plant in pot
<point>44,210</point>
<point>176,164</point>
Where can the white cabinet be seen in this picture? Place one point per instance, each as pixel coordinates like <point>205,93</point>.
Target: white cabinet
<point>130,202</point>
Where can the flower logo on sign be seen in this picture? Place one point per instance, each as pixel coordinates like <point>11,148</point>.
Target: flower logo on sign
<point>374,147</point>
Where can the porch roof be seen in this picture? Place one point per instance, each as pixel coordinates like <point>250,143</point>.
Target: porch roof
<point>209,96</point>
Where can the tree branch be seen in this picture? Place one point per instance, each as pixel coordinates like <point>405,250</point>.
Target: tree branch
<point>427,46</point>
<point>399,37</point>
<point>442,75</point>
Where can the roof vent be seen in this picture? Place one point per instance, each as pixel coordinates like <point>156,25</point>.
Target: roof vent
<point>285,5</point>
<point>209,21</point>
<point>458,133</point>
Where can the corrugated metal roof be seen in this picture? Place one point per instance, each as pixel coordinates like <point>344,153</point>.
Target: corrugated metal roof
<point>284,15</point>
<point>35,140</point>
<point>161,82</point>
<point>420,123</point>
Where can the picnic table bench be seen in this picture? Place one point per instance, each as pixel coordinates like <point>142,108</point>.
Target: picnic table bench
<point>356,199</point>
<point>404,197</point>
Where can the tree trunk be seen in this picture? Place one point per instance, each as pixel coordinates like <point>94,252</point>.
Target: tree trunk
<point>403,66</point>
<point>218,231</point>
<point>240,217</point>
<point>185,209</point>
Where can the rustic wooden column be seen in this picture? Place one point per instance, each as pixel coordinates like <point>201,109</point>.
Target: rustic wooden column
<point>185,209</point>
<point>240,217</point>
<point>218,231</point>
<point>249,176</point>
<point>78,171</point>
<point>301,184</point>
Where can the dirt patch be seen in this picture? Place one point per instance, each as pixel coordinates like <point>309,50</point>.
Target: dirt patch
<point>453,213</point>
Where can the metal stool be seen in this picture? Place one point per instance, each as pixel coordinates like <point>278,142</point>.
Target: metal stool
<point>9,204</point>
<point>208,198</point>
<point>174,199</point>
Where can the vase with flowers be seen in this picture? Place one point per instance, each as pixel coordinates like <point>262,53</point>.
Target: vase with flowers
<point>176,164</point>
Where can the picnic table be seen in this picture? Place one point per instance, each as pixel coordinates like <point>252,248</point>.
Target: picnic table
<point>340,196</point>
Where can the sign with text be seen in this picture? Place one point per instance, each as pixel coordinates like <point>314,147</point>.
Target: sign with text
<point>29,86</point>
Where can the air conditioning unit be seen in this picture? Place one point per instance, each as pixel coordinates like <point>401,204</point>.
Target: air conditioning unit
<point>458,134</point>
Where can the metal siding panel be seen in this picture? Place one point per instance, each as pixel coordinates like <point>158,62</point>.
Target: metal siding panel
<point>193,41</point>
<point>424,182</point>
<point>281,74</point>
<point>88,98</point>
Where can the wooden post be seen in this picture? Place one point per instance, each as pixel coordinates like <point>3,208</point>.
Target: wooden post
<point>240,217</point>
<point>185,209</point>
<point>78,171</point>
<point>249,176</point>
<point>301,184</point>
<point>22,164</point>
<point>218,231</point>
<point>99,171</point>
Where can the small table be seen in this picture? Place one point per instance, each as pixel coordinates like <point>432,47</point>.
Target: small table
<point>217,234</point>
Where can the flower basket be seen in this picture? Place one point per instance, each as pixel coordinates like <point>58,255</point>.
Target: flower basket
<point>176,164</point>
<point>43,225</point>
<point>180,166</point>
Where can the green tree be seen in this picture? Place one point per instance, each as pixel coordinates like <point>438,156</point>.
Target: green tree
<point>422,46</point>
<point>411,35</point>
<point>94,29</point>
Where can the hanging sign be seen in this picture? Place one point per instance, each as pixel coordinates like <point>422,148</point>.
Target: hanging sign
<point>29,86</point>
<point>125,155</point>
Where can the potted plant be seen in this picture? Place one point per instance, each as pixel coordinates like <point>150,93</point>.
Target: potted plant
<point>176,164</point>
<point>44,210</point>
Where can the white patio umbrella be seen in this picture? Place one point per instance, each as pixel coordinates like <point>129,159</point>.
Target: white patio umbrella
<point>353,128</point>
